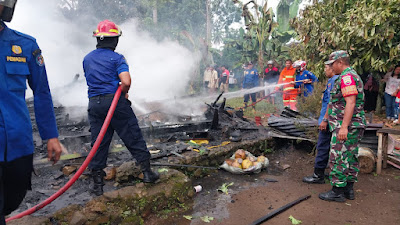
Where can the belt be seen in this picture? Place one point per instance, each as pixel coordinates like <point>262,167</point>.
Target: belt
<point>102,96</point>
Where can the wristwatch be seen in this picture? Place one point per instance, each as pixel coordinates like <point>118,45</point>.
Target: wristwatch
<point>325,119</point>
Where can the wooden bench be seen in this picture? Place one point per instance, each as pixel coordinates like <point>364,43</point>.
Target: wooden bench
<point>383,138</point>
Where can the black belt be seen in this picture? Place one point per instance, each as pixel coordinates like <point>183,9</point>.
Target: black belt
<point>102,96</point>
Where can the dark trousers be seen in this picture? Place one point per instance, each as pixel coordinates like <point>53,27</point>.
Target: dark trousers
<point>391,106</point>
<point>323,148</point>
<point>124,122</point>
<point>15,180</point>
<point>247,97</point>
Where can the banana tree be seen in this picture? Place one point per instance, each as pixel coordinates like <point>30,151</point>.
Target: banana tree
<point>259,26</point>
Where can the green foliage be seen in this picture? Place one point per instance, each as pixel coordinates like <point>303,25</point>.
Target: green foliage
<point>311,105</point>
<point>287,10</point>
<point>365,28</point>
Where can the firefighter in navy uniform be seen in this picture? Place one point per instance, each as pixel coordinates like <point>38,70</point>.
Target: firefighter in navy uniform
<point>104,70</point>
<point>20,61</point>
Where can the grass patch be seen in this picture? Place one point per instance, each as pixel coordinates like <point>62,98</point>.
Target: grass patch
<point>261,108</point>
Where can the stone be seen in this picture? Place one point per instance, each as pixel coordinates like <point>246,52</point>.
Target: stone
<point>96,206</point>
<point>127,171</point>
<point>285,166</point>
<point>110,173</point>
<point>197,173</point>
<point>67,170</point>
<point>78,218</point>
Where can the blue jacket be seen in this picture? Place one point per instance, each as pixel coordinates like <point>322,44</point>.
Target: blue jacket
<point>20,61</point>
<point>308,88</point>
<point>250,79</point>
<point>326,97</point>
<point>102,67</point>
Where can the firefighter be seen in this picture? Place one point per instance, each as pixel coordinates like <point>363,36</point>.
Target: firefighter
<point>289,92</point>
<point>304,79</point>
<point>104,70</point>
<point>21,61</point>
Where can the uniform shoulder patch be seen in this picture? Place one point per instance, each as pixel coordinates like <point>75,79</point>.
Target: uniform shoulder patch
<point>348,80</point>
<point>36,52</point>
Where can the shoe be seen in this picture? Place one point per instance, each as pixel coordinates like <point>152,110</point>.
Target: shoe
<point>148,175</point>
<point>396,121</point>
<point>314,179</point>
<point>349,192</point>
<point>334,195</point>
<point>98,182</point>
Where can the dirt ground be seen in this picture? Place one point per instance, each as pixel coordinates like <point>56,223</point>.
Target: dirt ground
<point>252,196</point>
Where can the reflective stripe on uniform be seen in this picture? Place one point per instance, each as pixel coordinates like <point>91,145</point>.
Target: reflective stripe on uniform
<point>288,88</point>
<point>289,76</point>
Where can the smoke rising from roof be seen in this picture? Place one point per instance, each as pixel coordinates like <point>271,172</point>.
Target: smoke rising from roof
<point>159,70</point>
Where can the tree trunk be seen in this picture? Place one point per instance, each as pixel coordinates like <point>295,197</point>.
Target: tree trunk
<point>378,109</point>
<point>208,25</point>
<point>155,13</point>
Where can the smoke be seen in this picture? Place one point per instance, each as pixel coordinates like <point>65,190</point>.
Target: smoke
<point>159,70</point>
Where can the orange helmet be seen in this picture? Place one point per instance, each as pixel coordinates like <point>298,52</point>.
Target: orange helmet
<point>107,28</point>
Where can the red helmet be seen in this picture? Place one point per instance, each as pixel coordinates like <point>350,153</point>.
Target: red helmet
<point>107,28</point>
<point>301,64</point>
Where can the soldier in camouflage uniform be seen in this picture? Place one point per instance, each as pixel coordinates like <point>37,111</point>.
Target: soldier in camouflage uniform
<point>347,123</point>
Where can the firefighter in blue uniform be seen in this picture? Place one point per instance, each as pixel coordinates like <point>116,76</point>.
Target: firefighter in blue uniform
<point>250,80</point>
<point>305,77</point>
<point>104,70</point>
<point>324,136</point>
<point>20,61</point>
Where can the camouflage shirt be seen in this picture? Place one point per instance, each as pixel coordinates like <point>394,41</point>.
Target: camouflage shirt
<point>347,84</point>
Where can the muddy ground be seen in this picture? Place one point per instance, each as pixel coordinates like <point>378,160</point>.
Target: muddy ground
<point>252,196</point>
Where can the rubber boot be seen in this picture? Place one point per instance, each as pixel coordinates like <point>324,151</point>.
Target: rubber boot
<point>349,191</point>
<point>98,181</point>
<point>148,175</point>
<point>334,195</point>
<point>317,178</point>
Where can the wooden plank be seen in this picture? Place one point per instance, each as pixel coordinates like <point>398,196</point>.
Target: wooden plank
<point>394,164</point>
<point>389,131</point>
<point>385,149</point>
<point>379,160</point>
<point>394,158</point>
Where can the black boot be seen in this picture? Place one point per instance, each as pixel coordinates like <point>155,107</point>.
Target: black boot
<point>148,175</point>
<point>317,178</point>
<point>98,181</point>
<point>349,192</point>
<point>335,195</point>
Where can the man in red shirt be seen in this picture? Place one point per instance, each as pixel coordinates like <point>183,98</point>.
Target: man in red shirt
<point>271,77</point>
<point>224,80</point>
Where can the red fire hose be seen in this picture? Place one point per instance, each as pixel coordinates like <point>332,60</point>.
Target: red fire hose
<point>82,168</point>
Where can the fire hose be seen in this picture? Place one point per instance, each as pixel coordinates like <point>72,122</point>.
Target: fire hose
<point>82,168</point>
<point>266,96</point>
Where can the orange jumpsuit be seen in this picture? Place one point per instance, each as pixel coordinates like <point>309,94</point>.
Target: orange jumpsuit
<point>289,92</point>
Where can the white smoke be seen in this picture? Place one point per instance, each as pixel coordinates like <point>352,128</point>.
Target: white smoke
<point>159,70</point>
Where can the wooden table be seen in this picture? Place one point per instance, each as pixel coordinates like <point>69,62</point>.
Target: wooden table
<point>383,149</point>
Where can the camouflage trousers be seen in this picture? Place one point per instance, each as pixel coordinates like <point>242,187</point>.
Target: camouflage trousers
<point>343,158</point>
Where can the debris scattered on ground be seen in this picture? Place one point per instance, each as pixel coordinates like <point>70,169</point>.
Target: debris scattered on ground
<point>285,166</point>
<point>294,220</point>
<point>207,219</point>
<point>188,217</point>
<point>224,187</point>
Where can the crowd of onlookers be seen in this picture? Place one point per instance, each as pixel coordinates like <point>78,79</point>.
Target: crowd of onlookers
<point>293,80</point>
